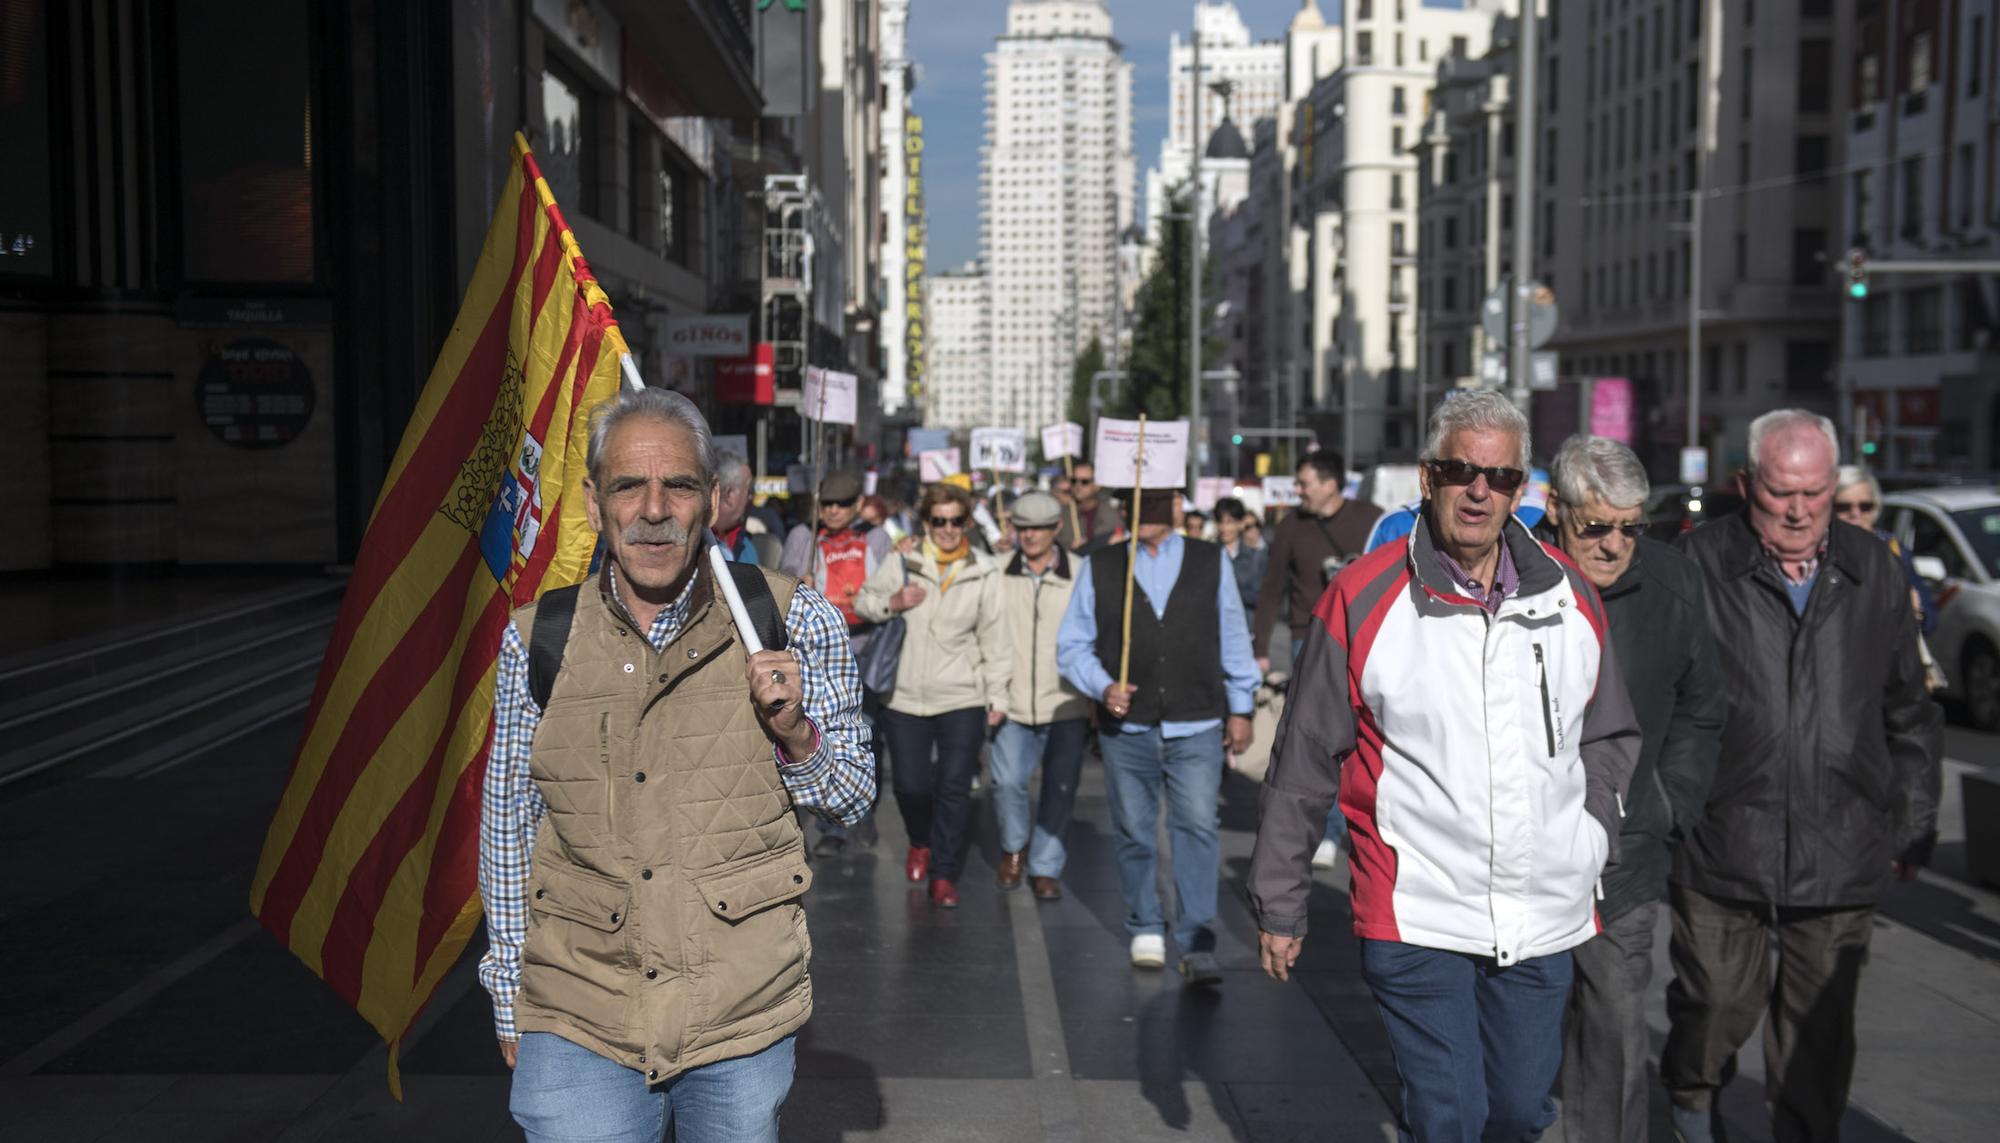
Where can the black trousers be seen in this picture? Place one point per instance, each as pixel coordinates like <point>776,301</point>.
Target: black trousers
<point>935,797</point>
<point>1724,984</point>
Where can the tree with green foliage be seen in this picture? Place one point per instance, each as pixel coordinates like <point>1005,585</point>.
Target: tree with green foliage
<point>1088,364</point>
<point>1157,368</point>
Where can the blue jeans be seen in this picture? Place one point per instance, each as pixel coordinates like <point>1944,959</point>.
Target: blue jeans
<point>1058,746</point>
<point>1477,1046</point>
<point>1136,767</point>
<point>1336,823</point>
<point>935,798</point>
<point>569,1094</point>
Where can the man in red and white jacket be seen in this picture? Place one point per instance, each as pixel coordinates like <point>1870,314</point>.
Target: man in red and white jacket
<point>1459,693</point>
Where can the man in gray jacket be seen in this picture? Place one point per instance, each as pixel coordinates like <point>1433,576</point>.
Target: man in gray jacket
<point>1659,622</point>
<point>1827,786</point>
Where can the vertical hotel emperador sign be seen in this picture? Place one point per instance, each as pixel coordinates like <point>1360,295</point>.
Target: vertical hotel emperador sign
<point>913,251</point>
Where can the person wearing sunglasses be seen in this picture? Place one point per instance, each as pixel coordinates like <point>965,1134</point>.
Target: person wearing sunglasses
<point>1457,696</point>
<point>1857,500</point>
<point>1826,788</point>
<point>951,682</point>
<point>838,559</point>
<point>1100,519</point>
<point>1659,622</point>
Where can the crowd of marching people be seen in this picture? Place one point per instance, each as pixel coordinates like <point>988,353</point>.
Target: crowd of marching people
<point>1532,733</point>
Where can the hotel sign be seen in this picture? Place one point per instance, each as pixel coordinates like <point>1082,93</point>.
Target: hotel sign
<point>913,251</point>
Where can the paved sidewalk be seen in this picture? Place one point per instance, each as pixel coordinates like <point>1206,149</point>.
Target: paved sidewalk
<point>1003,1020</point>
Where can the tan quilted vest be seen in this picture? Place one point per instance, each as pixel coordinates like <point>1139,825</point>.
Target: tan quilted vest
<point>664,929</point>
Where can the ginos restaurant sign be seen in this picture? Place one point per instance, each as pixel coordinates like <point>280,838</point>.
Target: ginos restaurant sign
<point>709,335</point>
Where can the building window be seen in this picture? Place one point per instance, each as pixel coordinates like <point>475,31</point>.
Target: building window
<point>1748,87</point>
<point>1809,157</point>
<point>1913,196</point>
<point>1808,256</point>
<point>1396,140</point>
<point>1864,206</point>
<point>1975,56</point>
<point>246,142</point>
<point>1398,243</point>
<point>1364,48</point>
<point>1923,319</point>
<point>1920,63</point>
<point>1399,49</point>
<point>1965,172</point>
<point>1742,255</point>
<point>1396,192</point>
<point>1742,369</point>
<point>1555,85</point>
<point>1815,86</point>
<point>1398,103</point>
<point>1867,80</point>
<point>570,113</point>
<point>1458,47</point>
<point>1451,234</point>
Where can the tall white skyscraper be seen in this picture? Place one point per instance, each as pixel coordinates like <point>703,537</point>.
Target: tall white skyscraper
<point>1056,188</point>
<point>959,393</point>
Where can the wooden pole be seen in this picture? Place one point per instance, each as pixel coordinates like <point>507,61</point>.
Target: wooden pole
<point>1132,555</point>
<point>1075,521</point>
<point>818,478</point>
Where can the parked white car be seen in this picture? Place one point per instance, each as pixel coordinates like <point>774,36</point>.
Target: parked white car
<point>1953,537</point>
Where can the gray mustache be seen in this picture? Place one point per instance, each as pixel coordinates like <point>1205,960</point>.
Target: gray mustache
<point>664,532</point>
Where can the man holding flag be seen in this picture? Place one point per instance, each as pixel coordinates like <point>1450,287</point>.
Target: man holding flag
<point>639,858</point>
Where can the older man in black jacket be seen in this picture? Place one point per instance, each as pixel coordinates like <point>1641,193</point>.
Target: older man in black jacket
<point>1827,784</point>
<point>1659,623</point>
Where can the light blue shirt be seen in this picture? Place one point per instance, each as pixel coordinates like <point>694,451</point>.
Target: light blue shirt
<point>1076,639</point>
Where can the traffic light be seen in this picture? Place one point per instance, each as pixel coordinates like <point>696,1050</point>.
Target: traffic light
<point>1857,275</point>
<point>1236,438</point>
<point>1869,448</point>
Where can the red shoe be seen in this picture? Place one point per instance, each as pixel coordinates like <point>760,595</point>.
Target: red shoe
<point>917,865</point>
<point>943,894</point>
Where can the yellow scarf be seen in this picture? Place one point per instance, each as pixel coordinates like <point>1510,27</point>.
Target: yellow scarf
<point>944,560</point>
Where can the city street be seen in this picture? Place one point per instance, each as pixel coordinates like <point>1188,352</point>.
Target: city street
<point>143,1003</point>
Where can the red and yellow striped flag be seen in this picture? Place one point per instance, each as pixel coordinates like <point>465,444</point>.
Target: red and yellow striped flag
<point>370,870</point>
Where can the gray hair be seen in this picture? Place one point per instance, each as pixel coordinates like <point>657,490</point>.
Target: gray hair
<point>731,470</point>
<point>1587,466</point>
<point>1474,409</point>
<point>1780,420</point>
<point>663,405</point>
<point>1849,475</point>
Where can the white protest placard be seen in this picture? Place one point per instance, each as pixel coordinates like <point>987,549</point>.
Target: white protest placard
<point>935,464</point>
<point>1059,441</point>
<point>1165,458</point>
<point>831,396</point>
<point>1210,489</point>
<point>1000,449</point>
<point>1281,492</point>
<point>870,481</point>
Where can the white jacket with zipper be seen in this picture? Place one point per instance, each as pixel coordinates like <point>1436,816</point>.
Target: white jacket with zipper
<point>955,646</point>
<point>1037,694</point>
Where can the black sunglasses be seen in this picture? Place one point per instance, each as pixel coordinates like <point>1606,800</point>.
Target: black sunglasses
<point>1597,530</point>
<point>1854,506</point>
<point>1460,473</point>
<point>947,521</point>
<point>847,503</point>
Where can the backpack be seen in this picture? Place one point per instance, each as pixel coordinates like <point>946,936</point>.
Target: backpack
<point>557,609</point>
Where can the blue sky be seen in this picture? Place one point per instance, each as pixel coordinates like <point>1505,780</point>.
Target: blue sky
<point>949,40</point>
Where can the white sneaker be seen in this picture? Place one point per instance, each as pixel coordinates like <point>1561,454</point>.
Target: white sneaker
<point>1149,950</point>
<point>1327,855</point>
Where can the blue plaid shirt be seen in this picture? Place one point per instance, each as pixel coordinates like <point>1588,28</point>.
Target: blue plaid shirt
<point>837,781</point>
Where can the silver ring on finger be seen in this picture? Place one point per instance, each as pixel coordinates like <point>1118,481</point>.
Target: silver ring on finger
<point>778,677</point>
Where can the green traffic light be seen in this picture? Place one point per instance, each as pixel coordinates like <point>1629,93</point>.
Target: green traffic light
<point>1236,439</point>
<point>1857,290</point>
<point>1868,448</point>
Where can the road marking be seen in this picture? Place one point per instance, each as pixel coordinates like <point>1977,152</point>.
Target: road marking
<point>1048,1053</point>
<point>123,1004</point>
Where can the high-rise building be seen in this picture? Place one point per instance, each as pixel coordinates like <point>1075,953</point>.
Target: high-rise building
<point>1357,175</point>
<point>1056,188</point>
<point>959,394</point>
<point>903,330</point>
<point>1643,108</point>
<point>1921,352</point>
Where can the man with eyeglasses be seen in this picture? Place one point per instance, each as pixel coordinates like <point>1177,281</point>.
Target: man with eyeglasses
<point>1459,695</point>
<point>1659,623</point>
<point>1827,787</point>
<point>848,553</point>
<point>1099,519</point>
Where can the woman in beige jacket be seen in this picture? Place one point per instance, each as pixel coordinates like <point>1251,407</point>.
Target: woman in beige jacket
<point>951,682</point>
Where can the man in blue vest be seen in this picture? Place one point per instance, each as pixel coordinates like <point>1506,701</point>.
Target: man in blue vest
<point>1165,728</point>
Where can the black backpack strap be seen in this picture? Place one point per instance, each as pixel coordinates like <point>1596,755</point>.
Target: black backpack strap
<point>761,604</point>
<point>553,613</point>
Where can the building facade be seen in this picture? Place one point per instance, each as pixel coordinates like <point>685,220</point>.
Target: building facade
<point>1056,193</point>
<point>1356,189</point>
<point>1255,77</point>
<point>1746,106</point>
<point>1920,373</point>
<point>960,394</point>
